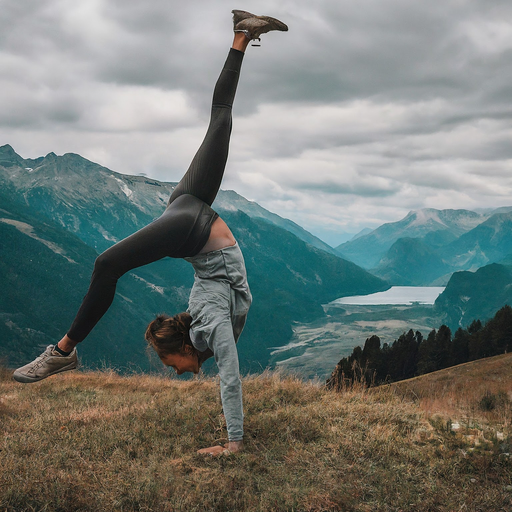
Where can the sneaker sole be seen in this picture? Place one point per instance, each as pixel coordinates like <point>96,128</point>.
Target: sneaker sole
<point>19,377</point>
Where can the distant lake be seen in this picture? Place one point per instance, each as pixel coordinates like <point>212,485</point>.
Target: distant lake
<point>396,295</point>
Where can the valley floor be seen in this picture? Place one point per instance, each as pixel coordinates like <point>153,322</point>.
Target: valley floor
<point>317,347</point>
<point>98,441</point>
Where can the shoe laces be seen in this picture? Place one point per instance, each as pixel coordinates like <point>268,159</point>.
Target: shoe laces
<point>41,359</point>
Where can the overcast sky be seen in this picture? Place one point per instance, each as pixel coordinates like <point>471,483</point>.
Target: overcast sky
<point>360,113</point>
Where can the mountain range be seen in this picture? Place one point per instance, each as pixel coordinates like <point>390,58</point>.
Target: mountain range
<point>428,245</point>
<point>57,213</point>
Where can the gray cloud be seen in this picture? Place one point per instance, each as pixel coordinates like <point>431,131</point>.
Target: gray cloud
<point>361,112</point>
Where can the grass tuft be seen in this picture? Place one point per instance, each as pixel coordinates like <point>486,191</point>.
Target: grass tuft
<point>492,401</point>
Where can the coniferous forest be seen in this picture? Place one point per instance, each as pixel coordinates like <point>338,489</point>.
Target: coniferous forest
<point>412,354</point>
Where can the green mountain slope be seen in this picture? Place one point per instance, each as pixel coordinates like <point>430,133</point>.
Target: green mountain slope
<point>411,262</point>
<point>44,273</point>
<point>475,295</point>
<point>447,241</point>
<point>488,242</point>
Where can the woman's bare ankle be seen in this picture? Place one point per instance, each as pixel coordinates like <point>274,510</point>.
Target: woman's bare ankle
<point>240,41</point>
<point>66,344</point>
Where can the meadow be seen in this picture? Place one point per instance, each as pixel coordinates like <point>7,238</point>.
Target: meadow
<point>98,441</point>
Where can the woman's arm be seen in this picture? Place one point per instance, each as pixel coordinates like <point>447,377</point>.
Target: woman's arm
<point>212,325</point>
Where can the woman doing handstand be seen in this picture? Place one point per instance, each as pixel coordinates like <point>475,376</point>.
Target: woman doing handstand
<point>190,229</point>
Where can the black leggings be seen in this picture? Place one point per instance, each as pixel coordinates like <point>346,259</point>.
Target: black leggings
<point>170,234</point>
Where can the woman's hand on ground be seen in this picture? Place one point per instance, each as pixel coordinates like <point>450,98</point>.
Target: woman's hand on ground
<point>214,451</point>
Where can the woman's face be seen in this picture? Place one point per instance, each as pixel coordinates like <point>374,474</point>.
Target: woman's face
<point>182,362</point>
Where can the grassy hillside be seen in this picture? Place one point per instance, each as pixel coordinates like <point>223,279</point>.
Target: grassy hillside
<point>478,392</point>
<point>98,441</point>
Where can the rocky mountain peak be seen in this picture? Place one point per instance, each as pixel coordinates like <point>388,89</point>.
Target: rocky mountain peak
<point>51,157</point>
<point>9,157</point>
<point>6,149</point>
<point>424,216</point>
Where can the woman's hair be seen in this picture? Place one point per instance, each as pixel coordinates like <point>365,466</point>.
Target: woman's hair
<point>169,334</point>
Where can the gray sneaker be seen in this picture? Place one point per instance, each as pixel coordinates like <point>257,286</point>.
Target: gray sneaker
<point>253,26</point>
<point>48,363</point>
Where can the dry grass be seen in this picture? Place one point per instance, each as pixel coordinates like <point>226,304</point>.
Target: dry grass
<point>101,442</point>
<point>466,392</point>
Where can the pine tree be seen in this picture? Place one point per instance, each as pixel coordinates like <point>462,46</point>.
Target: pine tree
<point>460,346</point>
<point>475,326</point>
<point>403,358</point>
<point>443,348</point>
<point>371,360</point>
<point>426,361</point>
<point>501,331</point>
